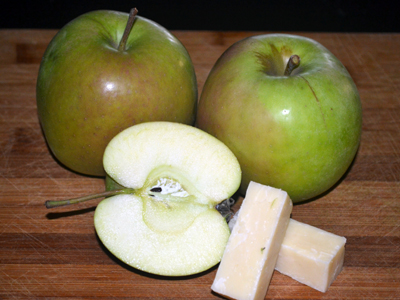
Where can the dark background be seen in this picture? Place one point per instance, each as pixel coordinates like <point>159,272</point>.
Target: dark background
<point>284,15</point>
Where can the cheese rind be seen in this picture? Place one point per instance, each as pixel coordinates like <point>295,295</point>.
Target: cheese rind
<point>252,250</point>
<point>311,255</point>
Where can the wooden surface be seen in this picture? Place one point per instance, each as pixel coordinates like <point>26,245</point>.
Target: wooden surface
<point>56,254</point>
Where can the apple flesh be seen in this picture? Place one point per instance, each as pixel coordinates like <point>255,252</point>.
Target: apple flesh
<point>168,225</point>
<point>88,89</point>
<point>297,132</point>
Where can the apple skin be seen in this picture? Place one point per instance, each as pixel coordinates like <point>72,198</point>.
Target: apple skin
<point>298,133</point>
<point>88,91</point>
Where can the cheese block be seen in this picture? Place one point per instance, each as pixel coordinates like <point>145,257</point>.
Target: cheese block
<point>252,250</point>
<point>311,255</point>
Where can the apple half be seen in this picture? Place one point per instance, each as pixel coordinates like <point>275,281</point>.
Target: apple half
<point>169,224</point>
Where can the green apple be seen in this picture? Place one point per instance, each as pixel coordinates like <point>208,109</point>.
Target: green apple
<point>101,74</point>
<point>164,219</point>
<point>292,125</point>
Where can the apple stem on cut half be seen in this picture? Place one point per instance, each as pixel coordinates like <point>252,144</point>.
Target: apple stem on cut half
<point>293,63</point>
<point>224,208</point>
<point>58,203</point>
<point>129,25</point>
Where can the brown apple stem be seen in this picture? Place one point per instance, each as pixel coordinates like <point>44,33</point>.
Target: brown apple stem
<point>129,25</point>
<point>58,203</point>
<point>293,63</point>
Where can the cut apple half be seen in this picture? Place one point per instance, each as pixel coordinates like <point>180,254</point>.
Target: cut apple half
<point>169,225</point>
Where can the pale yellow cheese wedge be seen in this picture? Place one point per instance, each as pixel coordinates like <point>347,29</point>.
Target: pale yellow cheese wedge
<point>252,250</point>
<point>311,255</point>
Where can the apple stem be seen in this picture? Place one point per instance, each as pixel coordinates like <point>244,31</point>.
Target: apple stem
<point>58,203</point>
<point>129,25</point>
<point>293,63</point>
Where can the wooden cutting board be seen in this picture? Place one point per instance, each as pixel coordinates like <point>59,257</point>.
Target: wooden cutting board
<point>56,254</point>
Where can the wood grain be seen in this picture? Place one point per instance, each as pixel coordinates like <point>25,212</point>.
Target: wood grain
<point>56,254</point>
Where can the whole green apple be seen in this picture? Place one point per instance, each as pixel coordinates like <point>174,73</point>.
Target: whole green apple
<point>94,81</point>
<point>294,126</point>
